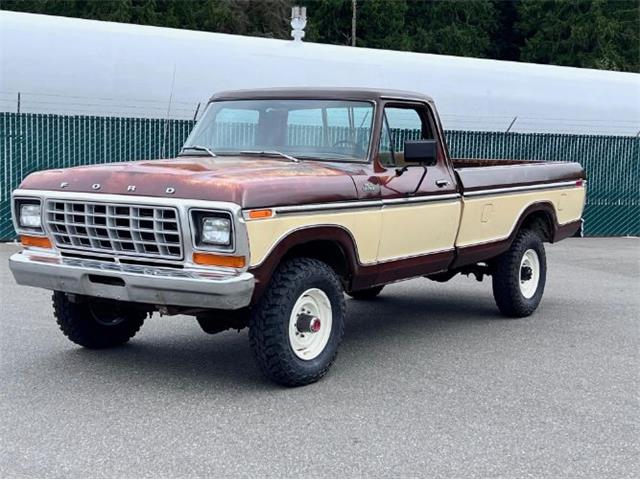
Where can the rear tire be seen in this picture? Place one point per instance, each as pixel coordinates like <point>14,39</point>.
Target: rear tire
<point>95,323</point>
<point>519,275</point>
<point>288,352</point>
<point>366,294</point>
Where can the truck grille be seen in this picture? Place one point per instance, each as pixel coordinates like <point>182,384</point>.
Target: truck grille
<point>138,231</point>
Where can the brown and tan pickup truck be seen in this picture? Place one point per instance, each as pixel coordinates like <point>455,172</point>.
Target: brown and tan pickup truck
<point>280,202</point>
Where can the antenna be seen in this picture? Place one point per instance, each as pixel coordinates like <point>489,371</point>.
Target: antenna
<point>166,121</point>
<point>195,115</point>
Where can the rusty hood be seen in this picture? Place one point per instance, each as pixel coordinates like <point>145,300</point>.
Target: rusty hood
<point>248,181</point>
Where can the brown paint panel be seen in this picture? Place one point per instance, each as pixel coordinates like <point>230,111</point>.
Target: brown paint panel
<point>478,253</point>
<point>393,271</point>
<point>487,174</point>
<point>566,231</point>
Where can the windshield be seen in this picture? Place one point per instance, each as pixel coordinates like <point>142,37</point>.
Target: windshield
<point>318,129</point>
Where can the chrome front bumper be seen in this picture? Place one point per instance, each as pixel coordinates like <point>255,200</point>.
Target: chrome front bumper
<point>133,283</point>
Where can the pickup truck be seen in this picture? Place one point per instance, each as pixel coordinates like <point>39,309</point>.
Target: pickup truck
<point>279,203</point>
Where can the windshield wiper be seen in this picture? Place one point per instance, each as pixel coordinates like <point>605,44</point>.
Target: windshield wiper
<point>198,148</point>
<point>270,153</point>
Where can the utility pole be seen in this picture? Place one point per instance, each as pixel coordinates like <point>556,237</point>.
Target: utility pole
<point>354,7</point>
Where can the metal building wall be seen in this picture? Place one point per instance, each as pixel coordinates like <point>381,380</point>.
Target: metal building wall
<point>32,142</point>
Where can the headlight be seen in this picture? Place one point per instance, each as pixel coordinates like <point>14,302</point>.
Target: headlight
<point>212,230</point>
<point>29,215</point>
<point>215,231</point>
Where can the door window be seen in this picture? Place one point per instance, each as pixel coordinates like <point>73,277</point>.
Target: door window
<point>400,124</point>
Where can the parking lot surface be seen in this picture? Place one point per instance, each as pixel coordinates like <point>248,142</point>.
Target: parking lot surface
<point>430,381</point>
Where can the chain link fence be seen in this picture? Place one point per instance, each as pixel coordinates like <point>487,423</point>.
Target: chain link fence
<point>32,142</point>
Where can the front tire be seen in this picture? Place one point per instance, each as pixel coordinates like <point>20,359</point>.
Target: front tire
<point>520,275</point>
<point>94,323</point>
<point>298,324</point>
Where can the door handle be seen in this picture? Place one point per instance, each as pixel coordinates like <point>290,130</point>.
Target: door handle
<point>442,183</point>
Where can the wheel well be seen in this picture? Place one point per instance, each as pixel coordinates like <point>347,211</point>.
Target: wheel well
<point>540,221</point>
<point>326,251</point>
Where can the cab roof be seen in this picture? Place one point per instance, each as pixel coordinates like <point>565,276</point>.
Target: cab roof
<point>314,93</point>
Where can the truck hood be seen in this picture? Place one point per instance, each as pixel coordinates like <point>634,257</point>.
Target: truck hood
<point>247,181</point>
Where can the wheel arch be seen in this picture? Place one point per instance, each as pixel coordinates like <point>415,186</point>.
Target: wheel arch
<point>540,215</point>
<point>332,244</point>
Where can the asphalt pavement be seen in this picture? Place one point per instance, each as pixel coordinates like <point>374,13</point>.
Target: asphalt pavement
<point>430,381</point>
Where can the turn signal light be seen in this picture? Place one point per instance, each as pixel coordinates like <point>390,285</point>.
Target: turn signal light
<point>29,241</point>
<point>579,183</point>
<point>266,213</point>
<point>215,260</point>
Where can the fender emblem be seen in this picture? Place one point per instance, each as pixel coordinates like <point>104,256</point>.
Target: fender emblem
<point>64,184</point>
<point>96,186</point>
<point>131,188</point>
<point>369,187</point>
<point>170,190</point>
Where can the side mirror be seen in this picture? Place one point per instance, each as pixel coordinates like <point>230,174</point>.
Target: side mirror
<point>422,152</point>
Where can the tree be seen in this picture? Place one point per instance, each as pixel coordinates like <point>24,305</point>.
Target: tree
<point>506,40</point>
<point>329,21</point>
<point>581,33</point>
<point>381,24</point>
<point>453,28</point>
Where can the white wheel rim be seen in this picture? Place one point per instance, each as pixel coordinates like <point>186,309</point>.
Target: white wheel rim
<point>529,273</point>
<point>308,345</point>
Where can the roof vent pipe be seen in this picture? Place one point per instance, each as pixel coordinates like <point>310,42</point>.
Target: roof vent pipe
<point>298,22</point>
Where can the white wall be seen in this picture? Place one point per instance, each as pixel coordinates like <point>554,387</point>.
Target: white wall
<point>73,66</point>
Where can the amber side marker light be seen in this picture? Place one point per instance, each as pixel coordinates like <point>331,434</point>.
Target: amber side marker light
<point>29,241</point>
<point>254,214</point>
<point>214,260</point>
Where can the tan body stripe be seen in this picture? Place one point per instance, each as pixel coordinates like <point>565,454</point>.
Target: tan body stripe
<point>363,225</point>
<point>391,232</point>
<point>493,218</point>
<point>414,230</point>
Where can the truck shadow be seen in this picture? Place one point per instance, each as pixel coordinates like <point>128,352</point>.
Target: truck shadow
<point>178,355</point>
<point>392,314</point>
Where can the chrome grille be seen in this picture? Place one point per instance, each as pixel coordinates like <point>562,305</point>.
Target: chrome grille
<point>131,230</point>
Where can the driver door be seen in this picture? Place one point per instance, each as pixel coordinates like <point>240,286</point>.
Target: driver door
<point>421,209</point>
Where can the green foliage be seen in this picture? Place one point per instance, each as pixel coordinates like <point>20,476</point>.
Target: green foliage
<point>581,33</point>
<point>601,34</point>
<point>329,22</point>
<point>453,28</point>
<point>382,24</point>
<point>265,18</point>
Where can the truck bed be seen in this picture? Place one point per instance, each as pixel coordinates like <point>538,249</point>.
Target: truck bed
<point>483,174</point>
<point>497,194</point>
